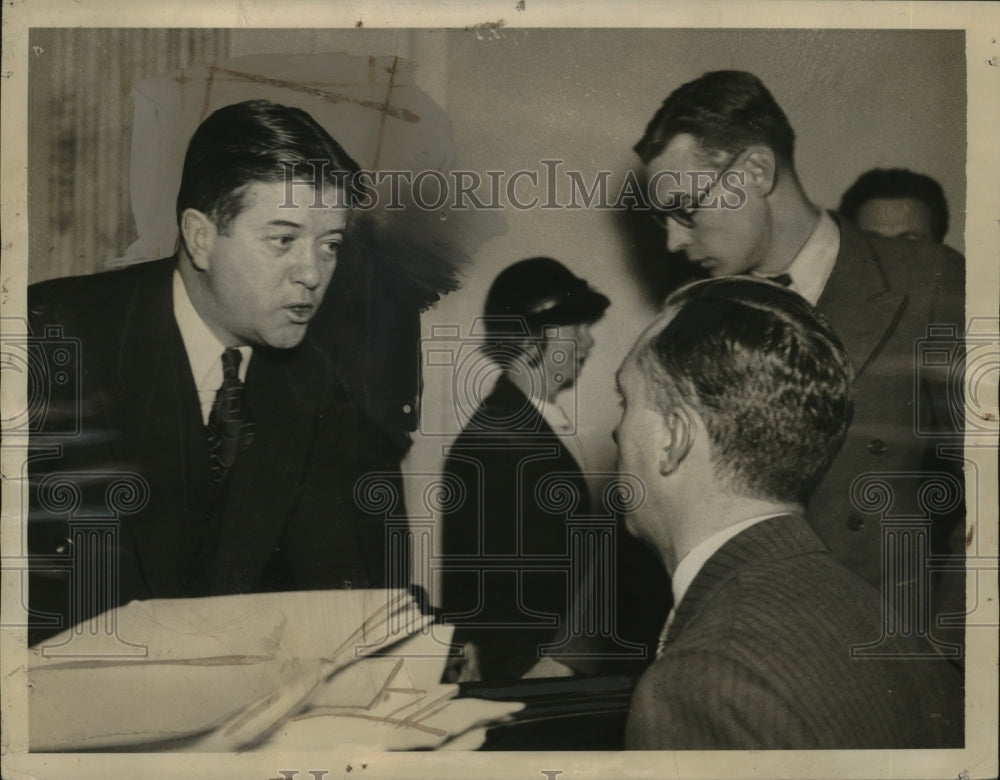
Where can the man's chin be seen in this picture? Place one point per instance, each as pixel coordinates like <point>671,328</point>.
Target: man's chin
<point>713,267</point>
<point>285,338</point>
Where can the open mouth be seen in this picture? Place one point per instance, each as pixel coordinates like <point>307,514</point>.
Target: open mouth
<point>300,312</point>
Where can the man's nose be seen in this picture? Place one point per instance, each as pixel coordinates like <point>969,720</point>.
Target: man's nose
<point>306,267</point>
<point>678,237</point>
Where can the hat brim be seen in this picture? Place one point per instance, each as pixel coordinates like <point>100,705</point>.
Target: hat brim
<point>581,306</point>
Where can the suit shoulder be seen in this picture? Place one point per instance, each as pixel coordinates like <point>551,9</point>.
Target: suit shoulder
<point>88,298</point>
<point>765,615</point>
<point>798,585</point>
<point>72,291</point>
<point>102,282</point>
<point>902,248</point>
<point>918,261</point>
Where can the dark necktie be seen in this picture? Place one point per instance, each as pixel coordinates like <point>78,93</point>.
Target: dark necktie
<point>229,427</point>
<point>785,280</point>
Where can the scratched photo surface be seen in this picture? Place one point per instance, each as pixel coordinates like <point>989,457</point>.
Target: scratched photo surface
<point>478,146</point>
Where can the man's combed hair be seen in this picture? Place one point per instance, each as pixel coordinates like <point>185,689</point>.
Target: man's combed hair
<point>898,183</point>
<point>766,374</point>
<point>254,141</point>
<point>727,111</point>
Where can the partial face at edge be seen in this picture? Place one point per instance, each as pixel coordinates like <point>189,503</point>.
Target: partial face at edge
<point>907,218</point>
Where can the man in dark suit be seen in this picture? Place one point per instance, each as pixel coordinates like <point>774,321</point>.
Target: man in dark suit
<point>537,317</point>
<point>719,159</point>
<point>735,401</point>
<point>217,445</point>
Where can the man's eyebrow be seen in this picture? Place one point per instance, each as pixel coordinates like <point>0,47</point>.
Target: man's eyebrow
<point>283,223</point>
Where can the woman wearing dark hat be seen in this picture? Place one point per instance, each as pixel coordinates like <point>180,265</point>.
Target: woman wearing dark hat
<point>538,316</point>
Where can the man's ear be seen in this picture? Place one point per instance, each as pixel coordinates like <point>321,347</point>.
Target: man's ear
<point>198,233</point>
<point>761,168</point>
<point>677,438</point>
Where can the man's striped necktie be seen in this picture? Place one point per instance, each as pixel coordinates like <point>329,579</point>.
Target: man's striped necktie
<point>230,429</point>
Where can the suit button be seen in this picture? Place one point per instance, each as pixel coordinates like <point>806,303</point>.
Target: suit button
<point>876,446</point>
<point>64,547</point>
<point>856,522</point>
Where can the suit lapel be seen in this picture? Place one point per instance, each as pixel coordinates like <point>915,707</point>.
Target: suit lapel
<point>156,399</point>
<point>858,299</point>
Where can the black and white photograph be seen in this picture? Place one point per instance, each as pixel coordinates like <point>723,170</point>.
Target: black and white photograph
<point>519,389</point>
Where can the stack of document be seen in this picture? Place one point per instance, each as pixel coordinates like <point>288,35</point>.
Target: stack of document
<point>308,670</point>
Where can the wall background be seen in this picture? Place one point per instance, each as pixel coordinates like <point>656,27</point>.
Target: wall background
<point>857,99</point>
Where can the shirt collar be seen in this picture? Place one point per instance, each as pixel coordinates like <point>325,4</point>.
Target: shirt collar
<point>698,556</point>
<point>203,349</point>
<point>560,423</point>
<point>554,415</point>
<point>812,266</point>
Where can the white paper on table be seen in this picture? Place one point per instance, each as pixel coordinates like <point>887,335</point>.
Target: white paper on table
<point>393,702</point>
<point>207,661</point>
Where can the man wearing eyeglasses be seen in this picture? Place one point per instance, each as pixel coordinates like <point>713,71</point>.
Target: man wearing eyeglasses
<point>718,157</point>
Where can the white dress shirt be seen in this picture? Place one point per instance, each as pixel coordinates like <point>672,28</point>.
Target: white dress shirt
<point>556,417</point>
<point>812,266</point>
<point>203,349</point>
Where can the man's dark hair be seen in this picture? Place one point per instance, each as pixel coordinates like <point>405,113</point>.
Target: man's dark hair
<point>765,373</point>
<point>898,183</point>
<point>727,111</point>
<point>254,141</point>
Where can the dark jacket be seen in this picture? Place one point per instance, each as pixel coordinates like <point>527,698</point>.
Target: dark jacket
<point>759,656</point>
<point>285,516</point>
<point>881,298</point>
<point>518,485</point>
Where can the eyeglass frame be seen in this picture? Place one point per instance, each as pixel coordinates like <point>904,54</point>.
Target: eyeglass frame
<point>684,216</point>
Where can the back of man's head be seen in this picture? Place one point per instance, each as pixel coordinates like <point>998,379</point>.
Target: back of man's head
<point>767,376</point>
<point>727,111</point>
<point>257,141</point>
